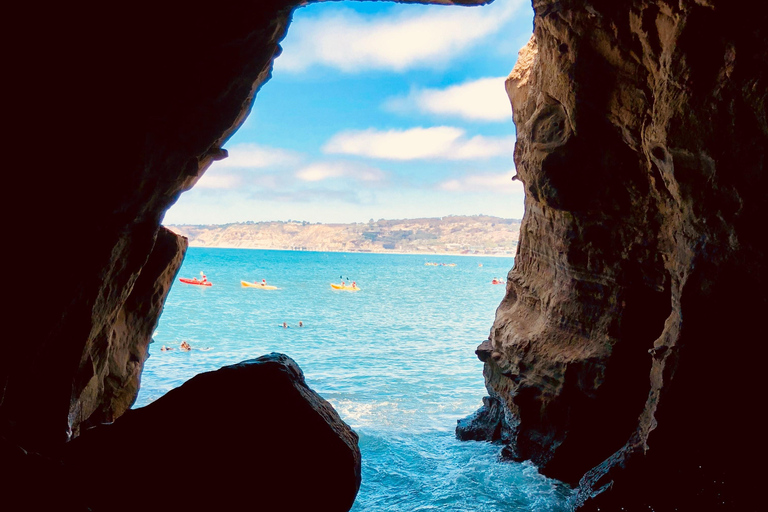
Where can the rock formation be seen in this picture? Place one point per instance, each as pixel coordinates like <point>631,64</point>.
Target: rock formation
<point>626,351</point>
<point>114,111</point>
<point>217,432</point>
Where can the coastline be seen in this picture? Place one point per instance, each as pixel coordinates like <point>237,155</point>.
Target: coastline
<point>412,253</point>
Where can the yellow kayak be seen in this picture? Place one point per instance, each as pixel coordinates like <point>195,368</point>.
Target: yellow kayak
<point>345,288</point>
<point>258,285</point>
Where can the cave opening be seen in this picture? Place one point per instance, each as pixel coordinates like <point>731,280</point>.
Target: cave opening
<point>335,139</point>
<point>139,100</point>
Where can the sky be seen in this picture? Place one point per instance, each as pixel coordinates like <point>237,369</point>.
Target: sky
<point>375,110</point>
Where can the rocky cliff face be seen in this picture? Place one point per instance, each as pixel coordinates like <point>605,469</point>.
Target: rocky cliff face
<point>625,352</point>
<point>145,98</point>
<point>115,111</point>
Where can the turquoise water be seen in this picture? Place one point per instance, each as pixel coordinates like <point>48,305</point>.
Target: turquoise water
<point>396,359</point>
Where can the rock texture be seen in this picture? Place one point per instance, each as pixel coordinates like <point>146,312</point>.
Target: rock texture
<point>145,98</point>
<point>251,436</point>
<point>625,350</point>
<point>113,111</point>
<point>114,357</point>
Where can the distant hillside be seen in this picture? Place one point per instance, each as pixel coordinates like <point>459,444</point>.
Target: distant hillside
<point>478,234</point>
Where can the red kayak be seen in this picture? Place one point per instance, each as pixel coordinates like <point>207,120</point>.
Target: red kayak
<point>196,281</point>
<point>497,281</point>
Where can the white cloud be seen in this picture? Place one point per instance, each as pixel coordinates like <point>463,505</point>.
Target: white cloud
<point>248,165</point>
<point>479,147</point>
<point>410,37</point>
<point>254,156</point>
<point>328,170</point>
<point>218,181</point>
<point>485,182</point>
<point>438,142</point>
<point>478,100</point>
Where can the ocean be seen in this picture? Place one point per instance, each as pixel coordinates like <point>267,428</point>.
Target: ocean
<point>396,359</point>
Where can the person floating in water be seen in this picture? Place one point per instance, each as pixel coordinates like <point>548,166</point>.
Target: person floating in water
<point>285,325</point>
<point>301,324</point>
<point>185,346</point>
<point>165,349</point>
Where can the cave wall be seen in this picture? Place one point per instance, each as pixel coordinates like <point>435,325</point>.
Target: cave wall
<point>136,102</point>
<point>626,350</point>
<point>114,110</point>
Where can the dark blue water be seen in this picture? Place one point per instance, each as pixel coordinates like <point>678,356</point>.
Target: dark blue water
<point>395,359</point>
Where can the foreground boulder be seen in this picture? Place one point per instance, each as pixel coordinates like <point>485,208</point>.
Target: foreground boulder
<point>250,436</point>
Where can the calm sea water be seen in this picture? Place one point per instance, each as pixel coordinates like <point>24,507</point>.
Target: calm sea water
<point>395,359</point>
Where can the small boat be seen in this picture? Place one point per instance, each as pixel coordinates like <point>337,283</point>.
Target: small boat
<point>196,281</point>
<point>246,284</point>
<point>497,281</point>
<point>345,288</point>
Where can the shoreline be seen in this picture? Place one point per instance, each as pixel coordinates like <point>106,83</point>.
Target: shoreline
<point>411,253</point>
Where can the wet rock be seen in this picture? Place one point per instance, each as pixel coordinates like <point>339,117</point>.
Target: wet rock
<point>486,424</point>
<point>247,436</point>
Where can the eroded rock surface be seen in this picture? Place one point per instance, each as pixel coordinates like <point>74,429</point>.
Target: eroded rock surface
<point>115,356</point>
<point>132,107</point>
<point>625,345</point>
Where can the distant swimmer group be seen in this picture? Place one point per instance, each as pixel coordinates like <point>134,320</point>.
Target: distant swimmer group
<point>184,346</point>
<point>286,326</point>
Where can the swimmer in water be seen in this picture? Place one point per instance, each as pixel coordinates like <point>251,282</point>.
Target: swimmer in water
<point>301,324</point>
<point>285,325</point>
<point>185,346</point>
<point>165,349</point>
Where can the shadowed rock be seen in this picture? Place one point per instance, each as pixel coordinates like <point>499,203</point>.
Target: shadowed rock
<point>486,424</point>
<point>250,436</point>
<point>640,275</point>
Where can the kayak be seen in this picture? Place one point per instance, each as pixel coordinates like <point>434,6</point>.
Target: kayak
<point>246,284</point>
<point>196,281</point>
<point>345,288</point>
<point>497,281</point>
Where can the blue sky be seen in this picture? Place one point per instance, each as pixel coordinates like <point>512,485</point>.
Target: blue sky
<point>375,110</point>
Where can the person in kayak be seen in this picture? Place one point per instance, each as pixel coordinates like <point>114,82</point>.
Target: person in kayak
<point>263,282</point>
<point>354,285</point>
<point>204,278</point>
